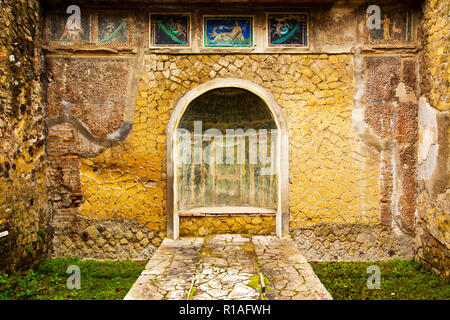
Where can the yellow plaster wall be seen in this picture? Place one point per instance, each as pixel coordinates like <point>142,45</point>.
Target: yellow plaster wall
<point>333,176</point>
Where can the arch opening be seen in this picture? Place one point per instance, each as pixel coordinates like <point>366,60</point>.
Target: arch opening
<point>227,153</point>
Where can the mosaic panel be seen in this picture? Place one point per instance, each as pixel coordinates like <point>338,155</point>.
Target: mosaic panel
<point>228,31</point>
<point>68,25</point>
<point>288,30</point>
<point>170,30</point>
<point>114,28</point>
<point>396,26</point>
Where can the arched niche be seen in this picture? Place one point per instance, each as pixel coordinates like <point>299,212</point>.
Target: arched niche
<point>201,119</point>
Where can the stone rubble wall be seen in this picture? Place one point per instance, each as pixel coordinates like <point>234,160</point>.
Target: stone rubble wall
<point>433,207</point>
<point>86,238</point>
<point>353,242</point>
<point>24,209</point>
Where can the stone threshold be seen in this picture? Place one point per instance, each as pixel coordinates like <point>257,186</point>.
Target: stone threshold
<point>228,267</point>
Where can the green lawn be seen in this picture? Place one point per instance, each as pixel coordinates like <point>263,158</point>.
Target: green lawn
<point>111,280</point>
<point>400,280</point>
<point>100,280</point>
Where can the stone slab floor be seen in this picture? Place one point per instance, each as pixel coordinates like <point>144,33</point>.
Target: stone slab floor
<point>222,267</point>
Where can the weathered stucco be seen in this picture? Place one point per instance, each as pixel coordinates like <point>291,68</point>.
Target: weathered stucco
<point>433,231</point>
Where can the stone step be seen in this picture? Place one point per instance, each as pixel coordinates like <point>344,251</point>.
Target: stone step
<point>227,267</point>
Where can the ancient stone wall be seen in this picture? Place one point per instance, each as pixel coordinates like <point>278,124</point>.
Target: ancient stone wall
<point>351,156</point>
<point>352,242</point>
<point>366,110</point>
<point>433,236</point>
<point>24,211</point>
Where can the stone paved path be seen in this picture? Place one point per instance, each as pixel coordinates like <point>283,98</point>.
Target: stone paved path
<point>229,267</point>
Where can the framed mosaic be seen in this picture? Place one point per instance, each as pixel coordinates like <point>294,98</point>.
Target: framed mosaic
<point>75,26</point>
<point>396,27</point>
<point>114,28</point>
<point>287,29</point>
<point>68,26</point>
<point>228,31</point>
<point>168,30</point>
